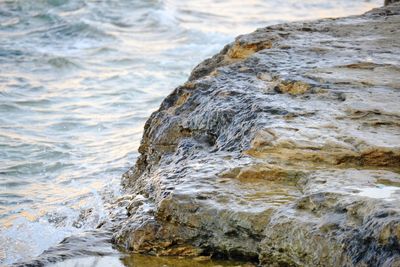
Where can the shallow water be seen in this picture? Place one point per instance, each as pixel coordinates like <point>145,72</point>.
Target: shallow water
<point>145,261</point>
<point>79,78</point>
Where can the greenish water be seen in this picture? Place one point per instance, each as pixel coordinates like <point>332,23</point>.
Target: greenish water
<point>79,78</point>
<point>145,261</point>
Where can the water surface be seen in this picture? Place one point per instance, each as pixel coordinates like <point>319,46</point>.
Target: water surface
<point>79,78</point>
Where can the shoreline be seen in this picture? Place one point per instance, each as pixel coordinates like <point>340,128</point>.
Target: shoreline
<point>281,150</point>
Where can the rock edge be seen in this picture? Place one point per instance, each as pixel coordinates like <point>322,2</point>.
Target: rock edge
<point>283,149</point>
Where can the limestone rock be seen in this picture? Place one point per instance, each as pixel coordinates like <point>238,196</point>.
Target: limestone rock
<point>388,2</point>
<point>283,149</point>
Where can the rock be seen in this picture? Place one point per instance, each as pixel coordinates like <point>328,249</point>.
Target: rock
<point>388,2</point>
<point>282,150</point>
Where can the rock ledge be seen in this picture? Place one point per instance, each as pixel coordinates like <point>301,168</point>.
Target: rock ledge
<point>283,149</point>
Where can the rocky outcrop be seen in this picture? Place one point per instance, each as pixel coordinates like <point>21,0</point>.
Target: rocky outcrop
<point>283,149</point>
<point>388,2</point>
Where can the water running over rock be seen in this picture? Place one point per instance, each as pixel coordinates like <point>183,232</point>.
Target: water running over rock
<point>275,149</point>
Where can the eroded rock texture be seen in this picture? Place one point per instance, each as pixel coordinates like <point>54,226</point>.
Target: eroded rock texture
<point>283,149</point>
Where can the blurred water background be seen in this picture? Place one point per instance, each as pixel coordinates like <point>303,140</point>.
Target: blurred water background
<point>78,78</point>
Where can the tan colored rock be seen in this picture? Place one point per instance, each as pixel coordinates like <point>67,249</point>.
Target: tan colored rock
<point>293,88</point>
<point>244,50</point>
<point>281,150</point>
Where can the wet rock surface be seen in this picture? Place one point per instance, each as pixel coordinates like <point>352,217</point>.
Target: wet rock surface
<point>283,150</point>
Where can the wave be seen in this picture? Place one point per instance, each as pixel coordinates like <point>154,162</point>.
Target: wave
<point>68,31</point>
<point>62,63</point>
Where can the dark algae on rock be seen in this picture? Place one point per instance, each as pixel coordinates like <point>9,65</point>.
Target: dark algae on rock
<point>281,150</point>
